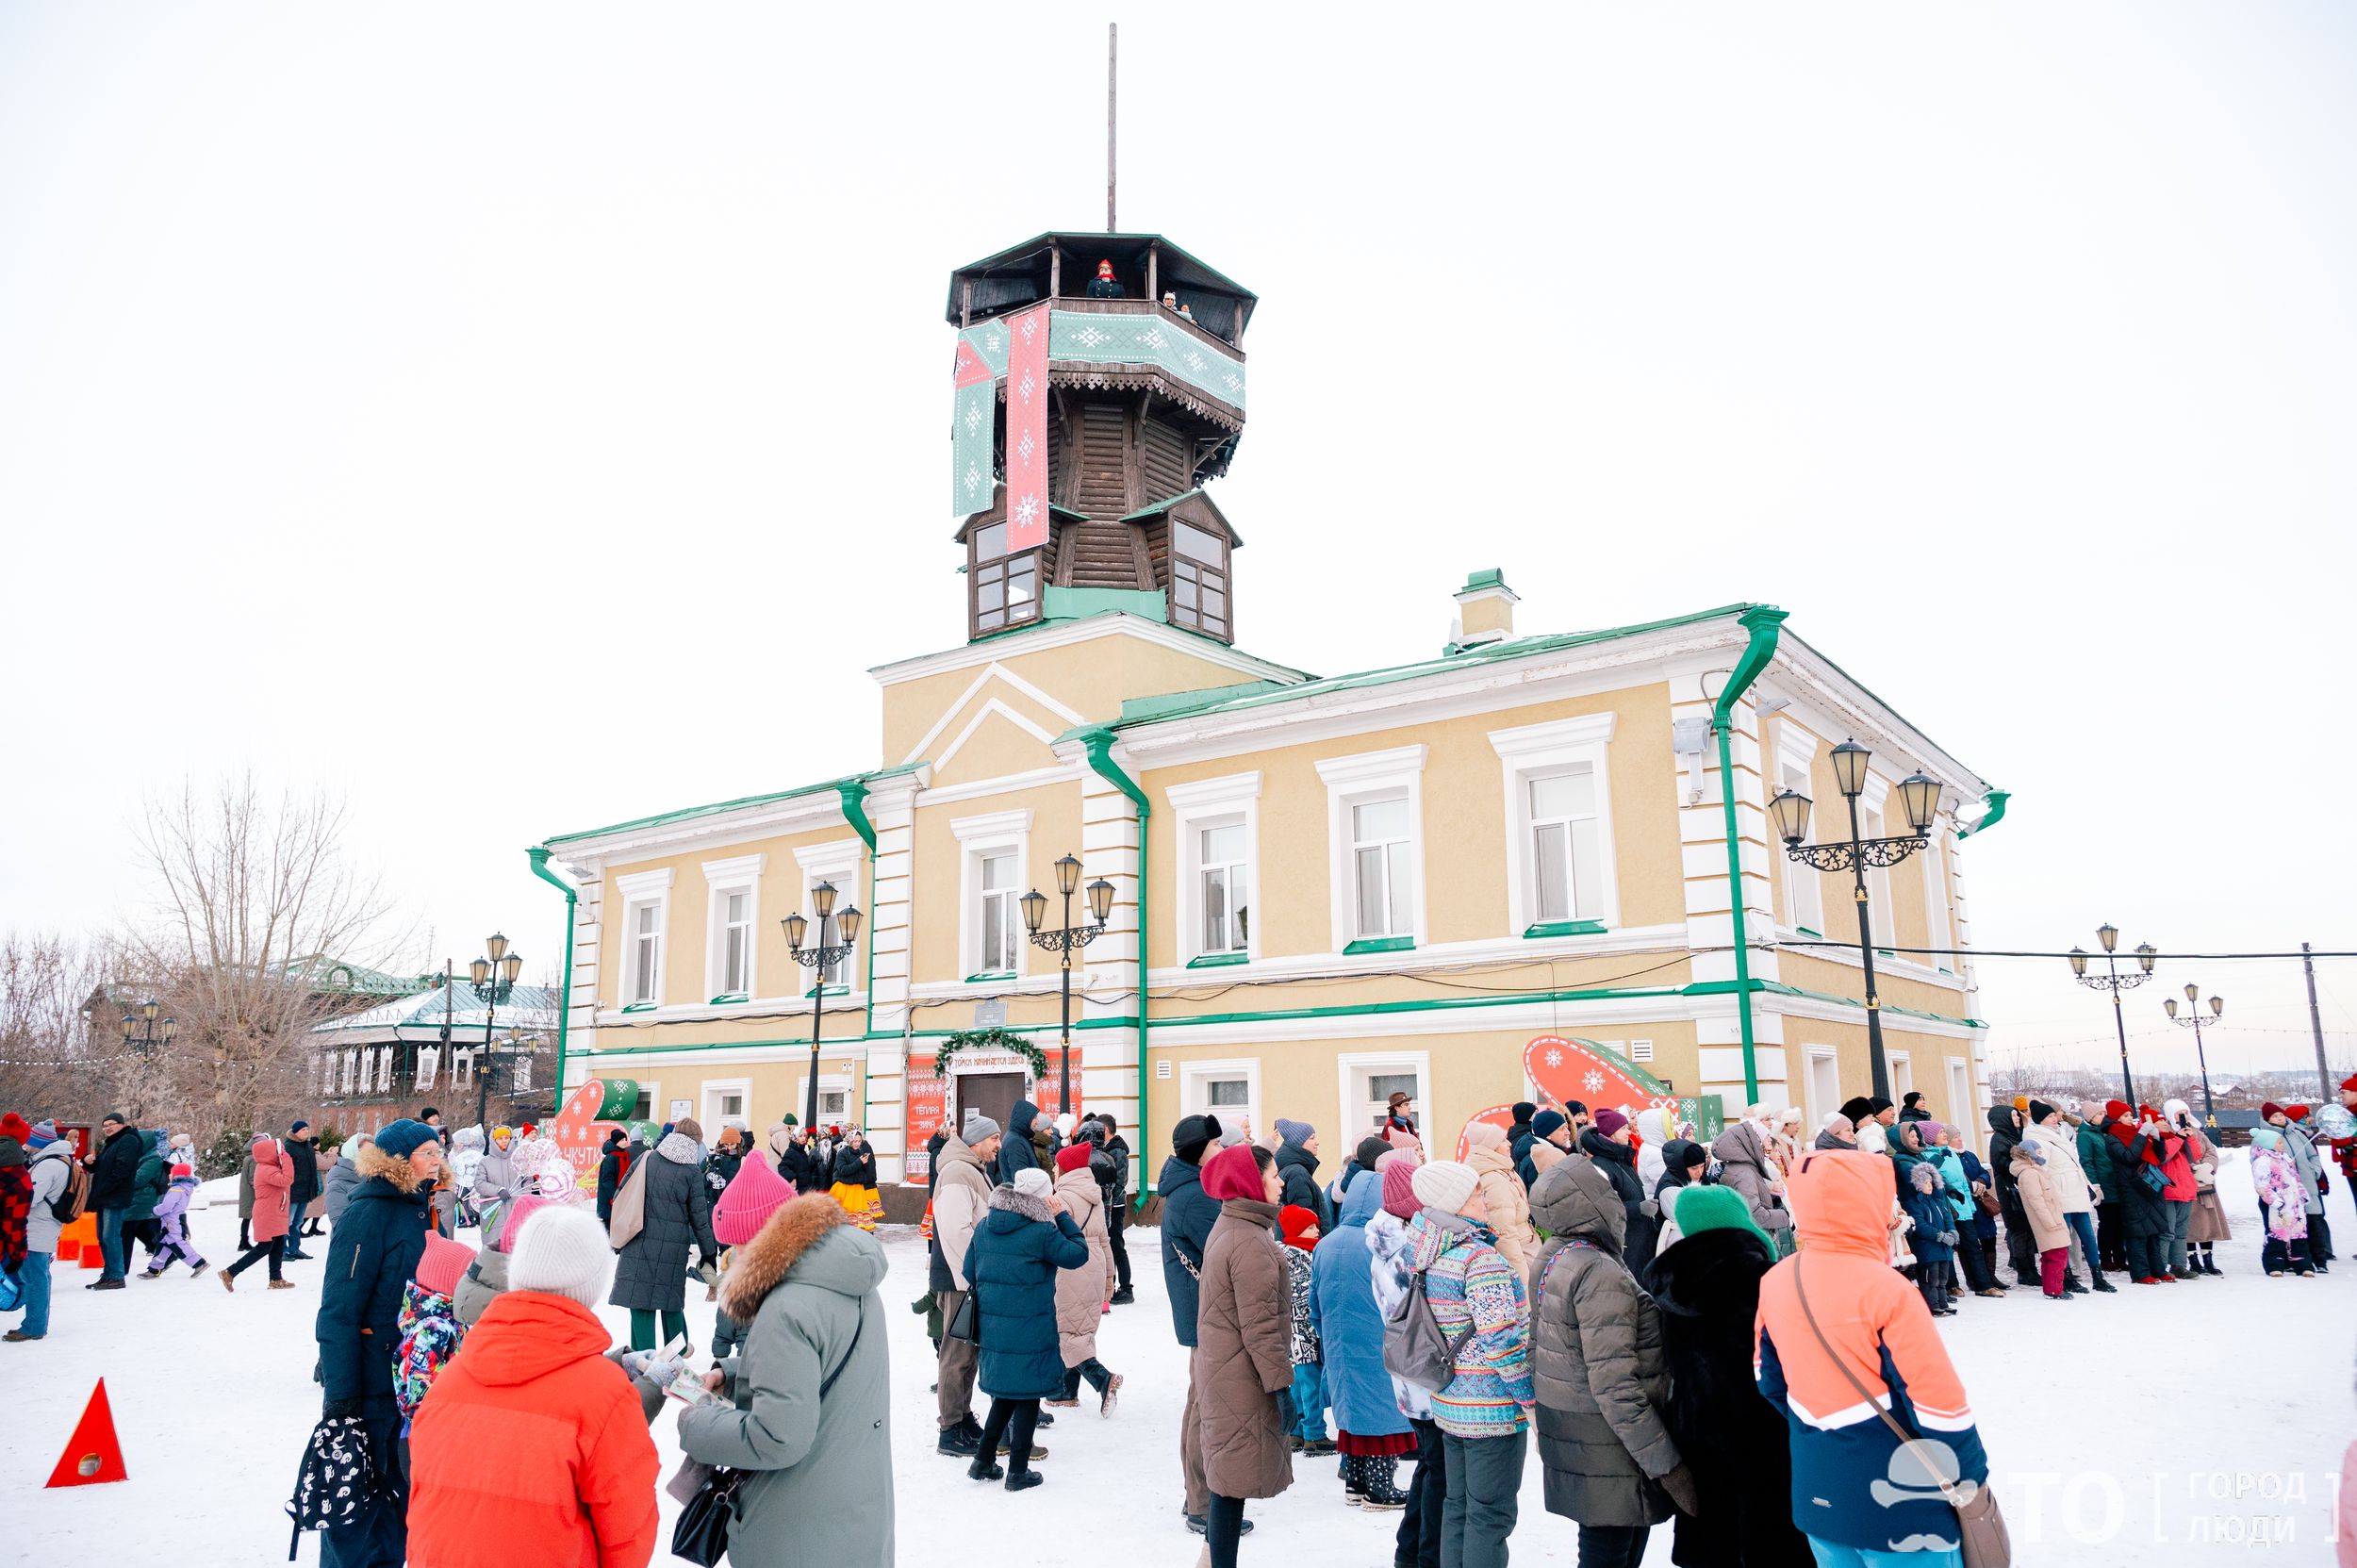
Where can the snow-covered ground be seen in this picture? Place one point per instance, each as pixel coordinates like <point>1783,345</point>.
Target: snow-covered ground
<point>2163,1421</point>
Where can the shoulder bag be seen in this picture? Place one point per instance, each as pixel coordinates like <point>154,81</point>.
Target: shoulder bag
<point>966,1322</point>
<point>629,1213</point>
<point>1980,1527</point>
<point>702,1535</point>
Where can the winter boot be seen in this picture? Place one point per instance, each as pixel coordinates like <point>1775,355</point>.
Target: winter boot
<point>2209,1264</point>
<point>1354,1480</point>
<point>1123,1297</point>
<point>962,1442</point>
<point>1022,1481</point>
<point>1112,1395</point>
<point>1381,1491</point>
<point>985,1469</point>
<point>2104,1287</point>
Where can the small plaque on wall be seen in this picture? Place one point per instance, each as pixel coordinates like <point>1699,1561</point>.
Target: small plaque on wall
<point>680,1108</point>
<point>991,1014</point>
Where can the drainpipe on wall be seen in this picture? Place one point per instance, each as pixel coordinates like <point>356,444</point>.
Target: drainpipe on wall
<point>539,858</point>
<point>1762,623</point>
<point>854,796</point>
<point>1100,745</point>
<point>1995,800</point>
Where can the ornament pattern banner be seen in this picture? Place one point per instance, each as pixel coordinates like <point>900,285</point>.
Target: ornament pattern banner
<point>1027,429</point>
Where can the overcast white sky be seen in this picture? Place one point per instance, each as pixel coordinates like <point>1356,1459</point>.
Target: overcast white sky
<point>363,374</point>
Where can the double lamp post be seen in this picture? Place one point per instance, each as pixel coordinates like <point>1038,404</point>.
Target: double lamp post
<point>1918,796</point>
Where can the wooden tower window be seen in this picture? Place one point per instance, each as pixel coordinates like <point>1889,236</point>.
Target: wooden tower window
<point>1003,590</point>
<point>1199,579</point>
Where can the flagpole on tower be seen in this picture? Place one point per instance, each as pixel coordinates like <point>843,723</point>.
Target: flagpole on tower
<point>1113,105</point>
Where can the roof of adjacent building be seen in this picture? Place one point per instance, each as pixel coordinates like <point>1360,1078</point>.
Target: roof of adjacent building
<point>527,1007</point>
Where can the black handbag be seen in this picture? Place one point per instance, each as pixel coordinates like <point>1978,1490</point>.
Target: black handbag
<point>965,1323</point>
<point>702,1535</point>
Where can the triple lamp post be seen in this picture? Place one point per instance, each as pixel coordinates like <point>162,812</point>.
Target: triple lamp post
<point>1062,940</point>
<point>2113,982</point>
<point>507,965</point>
<point>145,1027</point>
<point>818,960</point>
<point>1918,796</point>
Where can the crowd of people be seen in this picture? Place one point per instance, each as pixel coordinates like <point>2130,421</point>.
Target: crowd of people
<point>1735,1338</point>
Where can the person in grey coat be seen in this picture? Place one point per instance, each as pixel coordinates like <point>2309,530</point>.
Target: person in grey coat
<point>335,1191</point>
<point>820,1484</point>
<point>651,1276</point>
<point>1602,1378</point>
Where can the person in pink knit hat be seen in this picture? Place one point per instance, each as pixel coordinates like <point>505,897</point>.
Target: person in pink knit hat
<point>755,1193</point>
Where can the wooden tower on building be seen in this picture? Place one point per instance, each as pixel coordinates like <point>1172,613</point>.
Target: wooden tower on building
<point>1100,386</point>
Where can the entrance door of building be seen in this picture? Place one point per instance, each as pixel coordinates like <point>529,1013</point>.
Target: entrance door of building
<point>992,1093</point>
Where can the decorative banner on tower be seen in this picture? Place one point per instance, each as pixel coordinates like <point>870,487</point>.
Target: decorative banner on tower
<point>981,359</point>
<point>1106,338</point>
<point>1027,429</point>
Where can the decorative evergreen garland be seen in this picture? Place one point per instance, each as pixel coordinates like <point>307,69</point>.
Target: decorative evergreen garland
<point>992,1039</point>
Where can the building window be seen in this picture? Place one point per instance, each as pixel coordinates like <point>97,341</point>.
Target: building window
<point>429,1065</point>
<point>352,1069</point>
<point>1004,589</point>
<point>461,1068</point>
<point>836,864</point>
<point>1878,885</point>
<point>1563,845</point>
<point>1937,931</point>
<point>1368,1083</point>
<point>646,898</point>
<point>725,1101</point>
<point>996,850</point>
<point>1558,822</point>
<point>732,946</point>
<point>1199,579</point>
<point>1382,842</point>
<point>1803,897</point>
<point>1218,832</point>
<point>1902,1073</point>
<point>1228,1090</point>
<point>1958,1111</point>
<point>1375,815</point>
<point>1823,1085</point>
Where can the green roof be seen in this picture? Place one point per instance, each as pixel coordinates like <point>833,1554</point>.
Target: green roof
<point>1233,698</point>
<point>718,807</point>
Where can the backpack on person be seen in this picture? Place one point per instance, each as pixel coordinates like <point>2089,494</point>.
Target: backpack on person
<point>1414,1350</point>
<point>73,1197</point>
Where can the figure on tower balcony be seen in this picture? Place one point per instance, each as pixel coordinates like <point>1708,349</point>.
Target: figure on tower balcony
<point>1104,285</point>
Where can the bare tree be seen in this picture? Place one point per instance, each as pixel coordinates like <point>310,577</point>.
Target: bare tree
<point>49,1064</point>
<point>257,906</point>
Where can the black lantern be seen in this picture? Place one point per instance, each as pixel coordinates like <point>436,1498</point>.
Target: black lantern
<point>1789,811</point>
<point>1849,767</point>
<point>1034,910</point>
<point>1918,797</point>
<point>1101,899</point>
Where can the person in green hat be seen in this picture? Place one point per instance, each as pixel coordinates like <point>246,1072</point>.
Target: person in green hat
<point>1706,1286</point>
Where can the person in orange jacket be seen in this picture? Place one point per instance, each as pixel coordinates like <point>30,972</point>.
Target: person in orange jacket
<point>580,1493</point>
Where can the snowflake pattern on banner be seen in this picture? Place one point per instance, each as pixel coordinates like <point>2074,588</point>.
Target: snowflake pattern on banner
<point>1593,1081</point>
<point>1122,340</point>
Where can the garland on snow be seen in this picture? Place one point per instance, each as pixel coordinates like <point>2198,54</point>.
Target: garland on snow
<point>992,1039</point>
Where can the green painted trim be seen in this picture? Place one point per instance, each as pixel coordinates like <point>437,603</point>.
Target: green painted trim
<point>1098,744</point>
<point>853,793</point>
<point>715,808</point>
<point>640,1007</point>
<point>1379,945</point>
<point>833,991</point>
<point>1217,961</point>
<point>727,996</point>
<point>1996,799</point>
<point>987,975</point>
<point>1058,604</point>
<point>539,858</point>
<point>1447,1004</point>
<point>1762,623</point>
<point>1488,577</point>
<point>1565,928</point>
<point>1806,932</point>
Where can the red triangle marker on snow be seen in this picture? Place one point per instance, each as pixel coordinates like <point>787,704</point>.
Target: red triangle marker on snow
<point>93,1455</point>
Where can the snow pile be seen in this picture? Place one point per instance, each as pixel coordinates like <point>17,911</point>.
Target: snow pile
<point>2093,1411</point>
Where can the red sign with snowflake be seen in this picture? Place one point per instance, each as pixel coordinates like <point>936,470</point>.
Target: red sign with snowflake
<point>1027,430</point>
<point>1565,1070</point>
<point>580,1133</point>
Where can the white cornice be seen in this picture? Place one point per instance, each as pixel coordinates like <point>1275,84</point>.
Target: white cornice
<point>1006,783</point>
<point>776,818</point>
<point>1841,705</point>
<point>1064,633</point>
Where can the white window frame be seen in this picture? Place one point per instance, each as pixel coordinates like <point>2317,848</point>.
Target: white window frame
<point>643,890</point>
<point>830,1083</point>
<point>977,836</point>
<point>1874,823</point>
<point>1195,1077</point>
<point>1363,779</point>
<point>837,863</point>
<point>351,1071</point>
<point>1939,931</point>
<point>429,1064</point>
<point>1960,1106</point>
<point>713,1118</point>
<point>1213,804</point>
<point>1352,1069</point>
<point>1796,754</point>
<point>1534,752</point>
<point>739,874</point>
<point>1810,1057</point>
<point>1901,1065</point>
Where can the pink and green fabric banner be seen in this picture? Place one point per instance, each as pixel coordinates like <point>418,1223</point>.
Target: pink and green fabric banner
<point>1027,429</point>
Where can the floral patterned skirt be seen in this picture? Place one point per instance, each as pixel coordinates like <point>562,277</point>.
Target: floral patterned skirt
<point>862,1203</point>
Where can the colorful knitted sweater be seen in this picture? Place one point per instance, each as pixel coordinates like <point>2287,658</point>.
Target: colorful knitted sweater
<point>1468,1283</point>
<point>430,1333</point>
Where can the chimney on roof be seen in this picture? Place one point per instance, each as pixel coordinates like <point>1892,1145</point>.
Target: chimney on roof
<point>1484,611</point>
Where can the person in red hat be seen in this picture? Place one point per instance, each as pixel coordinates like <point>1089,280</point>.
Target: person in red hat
<point>1104,285</point>
<point>1082,1294</point>
<point>2344,1149</point>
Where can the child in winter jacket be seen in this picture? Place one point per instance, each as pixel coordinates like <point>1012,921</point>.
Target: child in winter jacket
<point>1932,1234</point>
<point>2282,1204</point>
<point>2042,1202</point>
<point>430,1330</point>
<point>171,1221</point>
<point>1300,1228</point>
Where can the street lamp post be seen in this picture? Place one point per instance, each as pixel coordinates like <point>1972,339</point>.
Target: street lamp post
<point>144,1028</point>
<point>1919,795</point>
<point>818,960</point>
<point>1063,941</point>
<point>506,966</point>
<point>2113,982</point>
<point>2193,1017</point>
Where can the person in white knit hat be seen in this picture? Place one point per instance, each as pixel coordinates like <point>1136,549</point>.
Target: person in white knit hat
<point>582,1488</point>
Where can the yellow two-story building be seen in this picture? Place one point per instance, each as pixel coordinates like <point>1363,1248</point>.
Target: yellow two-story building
<point>1526,867</point>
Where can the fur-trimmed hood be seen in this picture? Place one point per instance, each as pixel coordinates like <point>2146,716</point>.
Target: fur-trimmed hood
<point>1009,1200</point>
<point>373,1162</point>
<point>810,1240</point>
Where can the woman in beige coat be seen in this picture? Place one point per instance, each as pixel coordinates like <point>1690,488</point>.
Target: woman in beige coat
<point>2041,1200</point>
<point>1243,1371</point>
<point>1082,1293</point>
<point>1503,1191</point>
